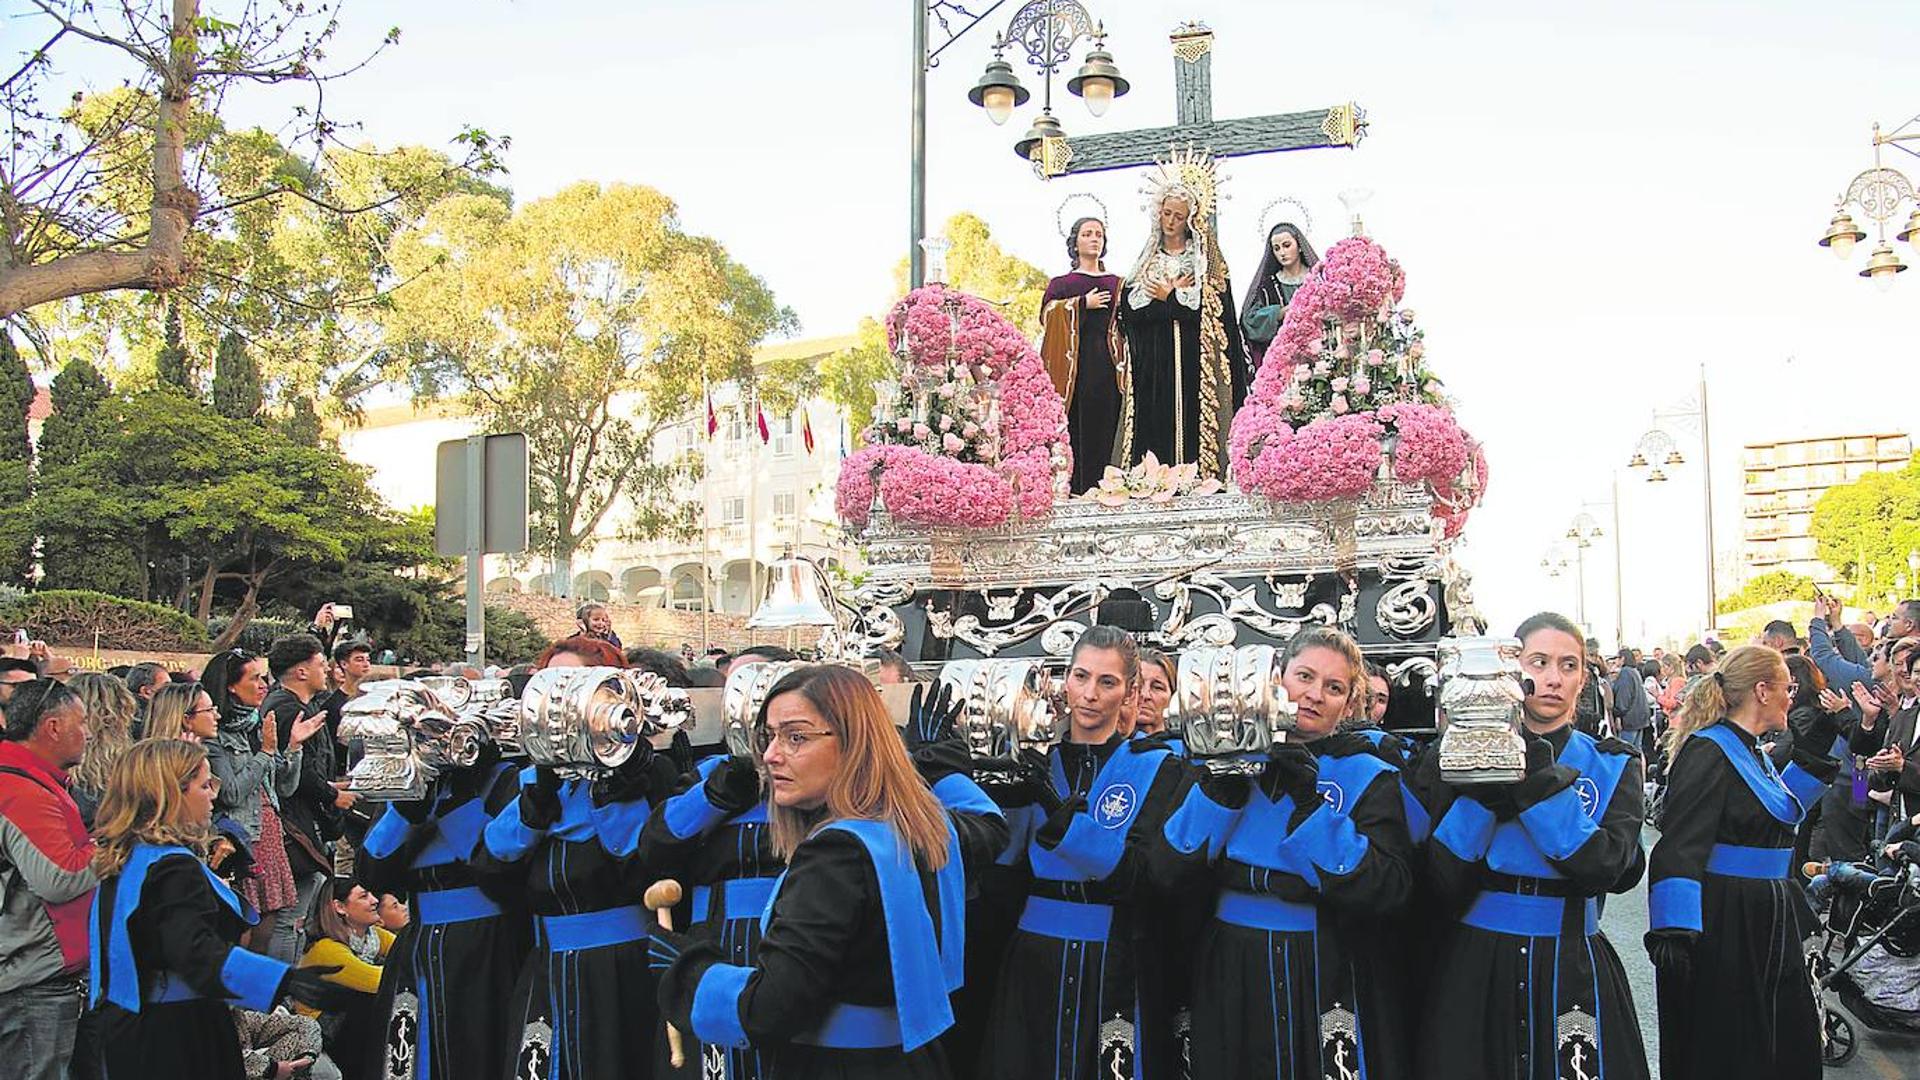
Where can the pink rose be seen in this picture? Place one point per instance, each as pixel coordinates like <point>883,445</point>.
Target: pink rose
<point>952,443</point>
<point>1339,405</point>
<point>946,423</point>
<point>1376,358</point>
<point>903,425</point>
<point>920,432</point>
<point>1340,385</point>
<point>1361,385</point>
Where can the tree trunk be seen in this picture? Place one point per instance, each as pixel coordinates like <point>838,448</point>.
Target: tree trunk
<point>204,612</point>
<point>160,265</point>
<point>249,607</point>
<point>563,573</point>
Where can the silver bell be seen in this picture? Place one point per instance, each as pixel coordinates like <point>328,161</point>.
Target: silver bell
<point>798,594</point>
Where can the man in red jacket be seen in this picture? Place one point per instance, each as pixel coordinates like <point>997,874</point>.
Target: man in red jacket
<point>46,885</point>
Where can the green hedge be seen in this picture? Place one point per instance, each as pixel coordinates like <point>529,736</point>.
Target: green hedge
<point>75,616</point>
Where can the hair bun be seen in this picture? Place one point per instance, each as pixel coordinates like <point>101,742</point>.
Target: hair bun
<point>1720,679</point>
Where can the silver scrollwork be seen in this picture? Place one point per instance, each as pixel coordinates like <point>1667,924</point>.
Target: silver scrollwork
<point>1408,609</point>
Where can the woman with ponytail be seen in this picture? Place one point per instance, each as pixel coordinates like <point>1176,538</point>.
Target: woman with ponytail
<point>1727,921</point>
<point>1525,985</point>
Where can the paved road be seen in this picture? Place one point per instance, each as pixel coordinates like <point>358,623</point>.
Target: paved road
<point>1881,1056</point>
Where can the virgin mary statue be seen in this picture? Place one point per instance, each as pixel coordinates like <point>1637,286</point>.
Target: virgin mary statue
<point>1182,338</point>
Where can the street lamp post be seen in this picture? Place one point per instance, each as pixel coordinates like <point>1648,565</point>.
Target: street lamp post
<point>1879,193</point>
<point>1656,449</point>
<point>1582,532</point>
<point>1047,30</point>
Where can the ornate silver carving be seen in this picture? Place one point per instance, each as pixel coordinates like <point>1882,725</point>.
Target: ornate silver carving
<point>1001,608</point>
<point>1234,705</point>
<point>1462,612</point>
<point>1060,638</point>
<point>1406,610</point>
<point>1480,711</point>
<point>1238,604</point>
<point>1247,535</point>
<point>1288,594</point>
<point>1405,672</point>
<point>1045,611</point>
<point>1008,706</point>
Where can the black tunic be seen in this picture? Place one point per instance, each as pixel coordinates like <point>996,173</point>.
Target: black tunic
<point>1749,1010</point>
<point>444,991</point>
<point>725,862</point>
<point>581,1013</point>
<point>1533,1005</point>
<point>825,944</point>
<point>1164,353</point>
<point>1310,1000</point>
<point>181,927</point>
<point>1073,1008</point>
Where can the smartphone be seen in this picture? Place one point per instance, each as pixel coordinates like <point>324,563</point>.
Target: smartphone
<point>343,612</point>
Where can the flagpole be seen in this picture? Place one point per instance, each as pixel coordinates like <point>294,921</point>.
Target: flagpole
<point>752,396</point>
<point>706,522</point>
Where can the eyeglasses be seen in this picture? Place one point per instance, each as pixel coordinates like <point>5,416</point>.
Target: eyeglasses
<point>794,739</point>
<point>211,708</point>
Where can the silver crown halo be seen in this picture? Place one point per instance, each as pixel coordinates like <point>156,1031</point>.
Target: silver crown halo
<point>1267,219</point>
<point>1061,219</point>
<point>1191,170</point>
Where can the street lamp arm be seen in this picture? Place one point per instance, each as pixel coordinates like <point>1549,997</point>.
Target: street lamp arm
<point>939,9</point>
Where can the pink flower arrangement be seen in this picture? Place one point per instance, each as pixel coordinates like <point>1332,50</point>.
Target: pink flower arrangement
<point>1345,379</point>
<point>925,483</point>
<point>1432,449</point>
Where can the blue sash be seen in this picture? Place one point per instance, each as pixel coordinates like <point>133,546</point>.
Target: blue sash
<point>741,898</point>
<point>459,832</point>
<point>1756,768</point>
<point>1260,833</point>
<point>1514,852</point>
<point>1113,803</point>
<point>920,958</point>
<point>124,987</point>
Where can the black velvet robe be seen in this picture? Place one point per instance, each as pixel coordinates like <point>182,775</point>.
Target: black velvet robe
<point>1748,1009</point>
<point>445,987</point>
<point>1060,1004</point>
<point>181,927</point>
<point>1163,351</point>
<point>1520,1006</point>
<point>1302,1004</point>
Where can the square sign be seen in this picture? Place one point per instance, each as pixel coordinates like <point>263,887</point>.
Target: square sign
<point>501,491</point>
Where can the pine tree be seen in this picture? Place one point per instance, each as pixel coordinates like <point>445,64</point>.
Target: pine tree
<point>16,465</point>
<point>173,365</point>
<point>76,394</point>
<point>301,425</point>
<point>236,380</point>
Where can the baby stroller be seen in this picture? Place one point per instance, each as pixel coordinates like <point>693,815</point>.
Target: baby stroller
<point>1872,921</point>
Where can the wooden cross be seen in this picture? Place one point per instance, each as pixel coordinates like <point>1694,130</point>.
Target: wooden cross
<point>1341,125</point>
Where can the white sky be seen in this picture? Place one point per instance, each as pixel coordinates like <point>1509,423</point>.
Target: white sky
<point>1589,202</point>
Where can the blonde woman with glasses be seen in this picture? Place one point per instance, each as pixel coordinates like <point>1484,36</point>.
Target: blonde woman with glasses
<point>863,938</point>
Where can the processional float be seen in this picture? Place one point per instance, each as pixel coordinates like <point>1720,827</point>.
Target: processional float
<point>1348,480</point>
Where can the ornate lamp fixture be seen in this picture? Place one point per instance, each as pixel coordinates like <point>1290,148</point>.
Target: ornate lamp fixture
<point>1879,192</point>
<point>1047,31</point>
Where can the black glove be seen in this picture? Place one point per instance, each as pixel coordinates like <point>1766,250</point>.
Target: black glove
<point>415,811</point>
<point>1296,771</point>
<point>931,718</point>
<point>1539,754</point>
<point>1059,820</point>
<point>1497,798</point>
<point>680,751</point>
<point>1672,952</point>
<point>664,948</point>
<point>309,987</point>
<point>1036,781</point>
<point>734,785</point>
<point>1230,791</point>
<point>540,801</point>
<point>471,782</point>
<point>629,780</point>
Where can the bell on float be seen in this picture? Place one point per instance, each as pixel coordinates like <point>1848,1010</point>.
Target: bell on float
<point>798,594</point>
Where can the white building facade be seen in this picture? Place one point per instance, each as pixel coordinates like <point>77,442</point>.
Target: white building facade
<point>759,499</point>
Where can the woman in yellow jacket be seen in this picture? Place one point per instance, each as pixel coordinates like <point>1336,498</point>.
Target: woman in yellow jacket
<point>351,940</point>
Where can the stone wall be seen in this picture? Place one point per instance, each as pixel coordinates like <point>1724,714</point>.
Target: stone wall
<point>642,625</point>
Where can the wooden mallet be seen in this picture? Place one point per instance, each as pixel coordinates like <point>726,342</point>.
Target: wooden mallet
<point>660,898</point>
